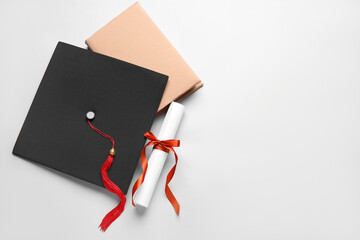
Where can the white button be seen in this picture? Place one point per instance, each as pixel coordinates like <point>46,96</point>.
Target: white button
<point>90,115</point>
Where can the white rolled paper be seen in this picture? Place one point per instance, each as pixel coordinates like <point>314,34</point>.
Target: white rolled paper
<point>157,158</point>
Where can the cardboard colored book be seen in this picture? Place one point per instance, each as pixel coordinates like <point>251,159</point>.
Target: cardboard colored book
<point>133,37</point>
<point>124,98</point>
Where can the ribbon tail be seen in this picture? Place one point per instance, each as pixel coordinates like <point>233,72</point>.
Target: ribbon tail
<point>168,192</point>
<point>144,165</point>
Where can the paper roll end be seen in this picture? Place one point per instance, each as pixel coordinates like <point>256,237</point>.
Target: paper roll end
<point>140,205</point>
<point>177,105</point>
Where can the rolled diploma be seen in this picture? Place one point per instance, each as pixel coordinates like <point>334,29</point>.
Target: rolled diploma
<point>157,158</point>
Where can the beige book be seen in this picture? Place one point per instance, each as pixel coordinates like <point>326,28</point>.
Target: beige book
<point>133,37</point>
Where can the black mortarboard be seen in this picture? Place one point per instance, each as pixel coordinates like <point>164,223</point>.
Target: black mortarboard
<point>124,98</point>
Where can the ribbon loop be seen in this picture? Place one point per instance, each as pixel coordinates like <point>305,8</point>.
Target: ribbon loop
<point>166,146</point>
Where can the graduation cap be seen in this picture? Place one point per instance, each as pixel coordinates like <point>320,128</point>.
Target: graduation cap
<point>84,95</point>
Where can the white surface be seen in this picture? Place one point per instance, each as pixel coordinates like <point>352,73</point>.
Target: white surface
<point>270,145</point>
<point>157,158</point>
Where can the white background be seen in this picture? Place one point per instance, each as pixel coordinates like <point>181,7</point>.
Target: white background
<point>270,144</point>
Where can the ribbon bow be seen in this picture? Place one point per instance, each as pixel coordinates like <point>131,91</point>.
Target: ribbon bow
<point>166,146</point>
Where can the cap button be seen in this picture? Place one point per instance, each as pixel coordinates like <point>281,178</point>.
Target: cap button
<point>90,115</point>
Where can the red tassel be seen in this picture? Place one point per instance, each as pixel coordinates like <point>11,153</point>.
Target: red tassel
<point>109,185</point>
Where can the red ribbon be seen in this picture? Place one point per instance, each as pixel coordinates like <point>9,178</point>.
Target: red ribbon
<point>166,146</point>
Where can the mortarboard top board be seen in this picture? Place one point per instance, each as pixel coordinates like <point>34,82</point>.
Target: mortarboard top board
<point>133,37</point>
<point>124,98</point>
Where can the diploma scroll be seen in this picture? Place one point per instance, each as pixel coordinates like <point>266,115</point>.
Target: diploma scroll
<point>158,157</point>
